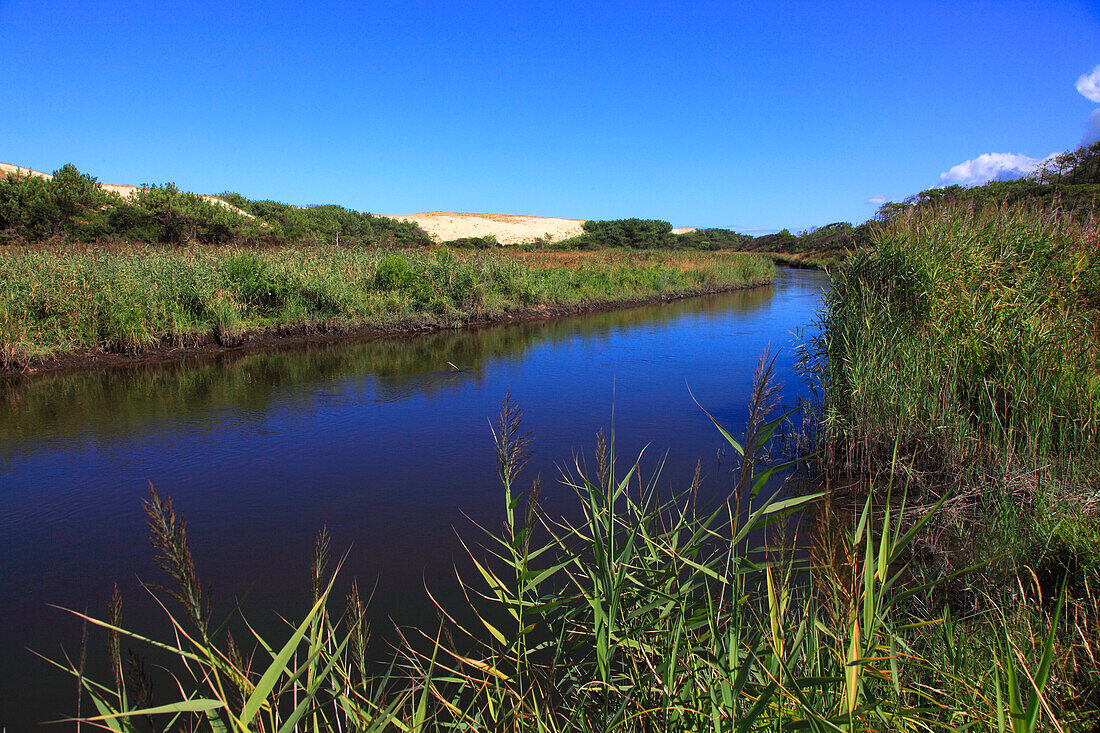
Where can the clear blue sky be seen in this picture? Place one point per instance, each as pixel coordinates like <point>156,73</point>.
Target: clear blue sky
<point>741,114</point>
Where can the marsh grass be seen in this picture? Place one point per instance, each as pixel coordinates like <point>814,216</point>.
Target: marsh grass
<point>967,342</point>
<point>63,299</point>
<point>971,338</point>
<point>975,329</point>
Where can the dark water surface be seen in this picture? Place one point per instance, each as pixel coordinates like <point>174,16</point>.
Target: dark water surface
<point>375,440</point>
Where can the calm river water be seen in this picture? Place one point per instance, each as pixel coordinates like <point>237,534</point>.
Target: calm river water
<point>376,440</point>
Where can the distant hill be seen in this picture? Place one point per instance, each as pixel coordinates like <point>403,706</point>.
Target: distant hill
<point>285,222</point>
<point>443,226</point>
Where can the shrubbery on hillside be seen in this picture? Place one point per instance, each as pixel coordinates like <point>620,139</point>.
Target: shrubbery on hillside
<point>712,239</point>
<point>1070,182</point>
<point>38,208</point>
<point>652,234</point>
<point>73,205</point>
<point>326,222</point>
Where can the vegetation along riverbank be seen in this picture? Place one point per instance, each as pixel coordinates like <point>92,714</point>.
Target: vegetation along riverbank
<point>959,357</point>
<point>84,304</point>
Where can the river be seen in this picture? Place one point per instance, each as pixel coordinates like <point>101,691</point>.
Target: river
<point>379,441</point>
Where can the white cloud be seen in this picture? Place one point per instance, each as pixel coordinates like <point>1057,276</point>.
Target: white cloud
<point>990,167</point>
<point>1092,129</point>
<point>1089,84</point>
<point>877,200</point>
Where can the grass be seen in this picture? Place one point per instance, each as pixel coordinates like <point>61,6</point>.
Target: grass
<point>967,342</point>
<point>972,339</point>
<point>809,260</point>
<point>63,299</point>
<point>976,330</point>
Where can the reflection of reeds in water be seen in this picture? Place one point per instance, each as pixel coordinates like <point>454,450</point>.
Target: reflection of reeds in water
<point>32,409</point>
<point>644,614</point>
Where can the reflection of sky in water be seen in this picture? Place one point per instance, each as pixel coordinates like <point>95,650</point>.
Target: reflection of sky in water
<point>378,440</point>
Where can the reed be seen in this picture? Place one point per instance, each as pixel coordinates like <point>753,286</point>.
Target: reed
<point>974,330</point>
<point>967,342</point>
<point>65,299</point>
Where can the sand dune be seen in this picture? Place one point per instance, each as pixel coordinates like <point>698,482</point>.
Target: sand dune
<point>507,228</point>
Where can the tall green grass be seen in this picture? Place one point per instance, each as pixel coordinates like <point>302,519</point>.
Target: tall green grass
<point>970,338</point>
<point>58,300</point>
<point>974,331</point>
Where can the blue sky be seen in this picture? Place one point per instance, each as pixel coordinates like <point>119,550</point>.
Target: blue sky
<point>738,114</point>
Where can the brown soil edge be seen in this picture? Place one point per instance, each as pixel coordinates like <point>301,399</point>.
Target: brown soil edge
<point>782,259</point>
<point>207,345</point>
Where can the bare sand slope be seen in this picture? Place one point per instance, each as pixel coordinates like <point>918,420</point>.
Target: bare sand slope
<point>124,191</point>
<point>507,228</point>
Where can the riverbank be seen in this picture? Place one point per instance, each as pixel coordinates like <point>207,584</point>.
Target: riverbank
<point>960,367</point>
<point>822,261</point>
<point>89,307</point>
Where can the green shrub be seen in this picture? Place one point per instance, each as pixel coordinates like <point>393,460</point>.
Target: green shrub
<point>486,242</point>
<point>35,208</point>
<point>632,233</point>
<point>393,273</point>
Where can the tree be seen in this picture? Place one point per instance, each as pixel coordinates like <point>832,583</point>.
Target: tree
<point>75,194</point>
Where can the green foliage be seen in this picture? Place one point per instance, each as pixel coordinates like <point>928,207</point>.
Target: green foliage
<point>74,194</point>
<point>782,241</point>
<point>652,234</point>
<point>36,208</point>
<point>317,224</point>
<point>967,308</point>
<point>61,299</point>
<point>175,217</point>
<point>969,339</point>
<point>1070,181</point>
<point>631,233</point>
<point>73,205</point>
<point>836,239</point>
<point>486,242</point>
<point>393,273</point>
<point>712,239</point>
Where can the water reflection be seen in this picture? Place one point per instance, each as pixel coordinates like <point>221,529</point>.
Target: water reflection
<point>41,408</point>
<point>379,441</point>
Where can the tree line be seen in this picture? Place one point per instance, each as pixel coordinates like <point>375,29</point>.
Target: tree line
<point>1069,182</point>
<point>72,205</point>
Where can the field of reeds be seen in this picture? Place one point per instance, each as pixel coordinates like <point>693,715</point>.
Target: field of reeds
<point>971,339</point>
<point>78,298</point>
